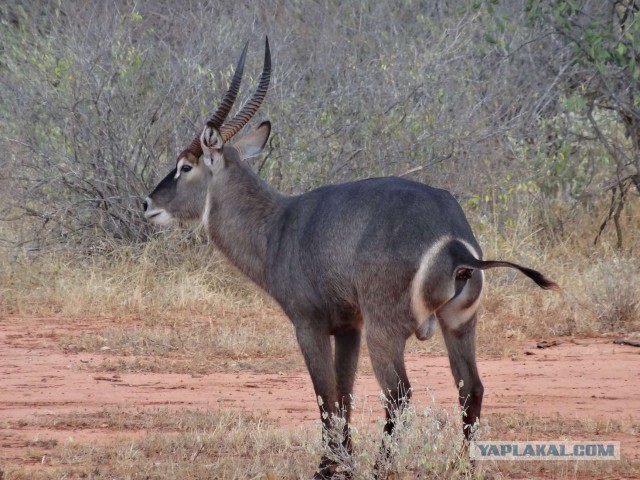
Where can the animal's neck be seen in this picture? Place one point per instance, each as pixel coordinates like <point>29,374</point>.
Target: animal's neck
<point>241,216</point>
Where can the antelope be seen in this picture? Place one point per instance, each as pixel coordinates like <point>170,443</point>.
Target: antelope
<point>386,256</point>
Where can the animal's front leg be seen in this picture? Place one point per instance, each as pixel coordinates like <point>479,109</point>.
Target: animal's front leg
<point>317,352</point>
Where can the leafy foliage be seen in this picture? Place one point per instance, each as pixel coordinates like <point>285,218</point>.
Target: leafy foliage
<point>507,104</point>
<point>601,68</point>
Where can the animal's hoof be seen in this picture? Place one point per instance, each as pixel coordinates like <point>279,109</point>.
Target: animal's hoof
<point>326,469</point>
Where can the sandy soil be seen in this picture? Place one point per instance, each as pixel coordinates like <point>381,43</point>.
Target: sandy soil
<point>592,381</point>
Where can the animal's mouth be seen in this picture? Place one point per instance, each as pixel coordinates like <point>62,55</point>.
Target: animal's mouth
<point>158,216</point>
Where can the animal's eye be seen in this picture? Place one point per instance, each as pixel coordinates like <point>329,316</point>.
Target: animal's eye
<point>186,167</point>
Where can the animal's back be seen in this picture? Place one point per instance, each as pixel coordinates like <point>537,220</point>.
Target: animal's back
<point>330,239</point>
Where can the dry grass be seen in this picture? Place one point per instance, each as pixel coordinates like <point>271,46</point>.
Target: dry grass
<point>175,276</point>
<point>172,444</point>
<point>194,444</point>
<point>427,442</point>
<point>231,341</point>
<point>226,334</point>
<point>598,284</point>
<point>521,427</point>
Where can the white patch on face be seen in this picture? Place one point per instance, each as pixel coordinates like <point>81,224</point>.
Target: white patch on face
<point>159,216</point>
<point>179,168</point>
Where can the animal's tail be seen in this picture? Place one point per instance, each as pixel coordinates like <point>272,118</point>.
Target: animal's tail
<point>446,288</point>
<point>465,260</point>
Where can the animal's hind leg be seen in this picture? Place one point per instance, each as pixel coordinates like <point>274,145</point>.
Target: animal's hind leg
<point>458,323</point>
<point>387,359</point>
<point>386,349</point>
<point>346,362</point>
<point>462,358</point>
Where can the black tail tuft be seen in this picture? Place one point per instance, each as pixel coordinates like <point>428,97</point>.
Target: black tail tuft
<point>536,276</point>
<point>540,279</point>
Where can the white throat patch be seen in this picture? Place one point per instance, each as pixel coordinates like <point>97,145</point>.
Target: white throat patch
<point>207,210</point>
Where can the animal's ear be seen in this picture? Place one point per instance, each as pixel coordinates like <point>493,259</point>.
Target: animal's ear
<point>253,143</point>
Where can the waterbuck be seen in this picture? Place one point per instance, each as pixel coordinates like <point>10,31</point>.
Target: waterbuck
<point>387,256</point>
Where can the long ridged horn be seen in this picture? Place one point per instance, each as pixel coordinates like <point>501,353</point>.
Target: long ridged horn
<point>195,148</point>
<point>249,110</point>
<point>227,102</point>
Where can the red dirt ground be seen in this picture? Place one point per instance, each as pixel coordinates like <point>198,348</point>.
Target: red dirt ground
<point>593,381</point>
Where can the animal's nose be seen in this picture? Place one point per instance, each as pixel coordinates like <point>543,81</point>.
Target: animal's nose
<point>145,205</point>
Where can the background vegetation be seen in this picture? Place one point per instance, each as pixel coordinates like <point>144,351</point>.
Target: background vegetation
<point>527,110</point>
